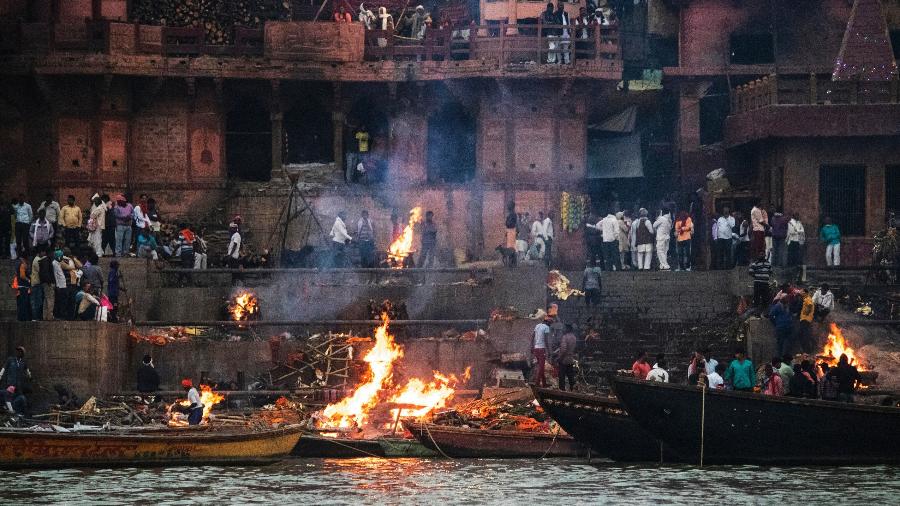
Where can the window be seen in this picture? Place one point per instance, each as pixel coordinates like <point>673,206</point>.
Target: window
<point>752,48</point>
<point>842,196</point>
<point>714,108</point>
<point>892,193</point>
<point>895,42</point>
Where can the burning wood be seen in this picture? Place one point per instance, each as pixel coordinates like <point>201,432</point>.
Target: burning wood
<point>380,393</point>
<point>207,397</point>
<point>837,346</point>
<point>402,247</point>
<point>244,306</point>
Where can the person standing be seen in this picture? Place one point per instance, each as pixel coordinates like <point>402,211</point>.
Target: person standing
<point>123,212</point>
<point>804,325</point>
<point>24,217</point>
<point>624,237</point>
<point>663,228</point>
<point>684,233</point>
<point>339,241</point>
<point>365,236</point>
<point>795,239</point>
<point>724,231</point>
<point>96,225</point>
<point>643,233</point>
<point>780,224</point>
<point>185,245</point>
<point>759,224</point>
<point>16,373</point>
<point>609,232</point>
<point>784,325</point>
<point>547,229</point>
<point>539,342</point>
<point>429,241</point>
<point>562,18</point>
<point>740,373</point>
<point>548,17</point>
<point>72,267</point>
<point>201,251</point>
<point>640,368</point>
<point>52,211</point>
<point>233,255</point>
<point>147,377</point>
<point>60,288</point>
<point>848,377</point>
<point>512,220</point>
<point>567,358</point>
<point>139,213</point>
<point>823,300</point>
<point>591,284</point>
<point>41,231</point>
<point>761,272</point>
<point>22,286</point>
<point>195,409</point>
<point>108,237</point>
<point>41,275</point>
<point>113,290</point>
<point>831,238</point>
<point>70,219</point>
<point>772,383</point>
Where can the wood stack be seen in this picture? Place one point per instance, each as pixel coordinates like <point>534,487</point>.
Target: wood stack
<point>217,18</point>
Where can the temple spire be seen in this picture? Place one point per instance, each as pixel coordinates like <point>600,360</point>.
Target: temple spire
<point>866,52</point>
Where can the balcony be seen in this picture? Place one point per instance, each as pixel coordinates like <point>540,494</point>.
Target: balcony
<point>297,49</point>
<point>811,105</point>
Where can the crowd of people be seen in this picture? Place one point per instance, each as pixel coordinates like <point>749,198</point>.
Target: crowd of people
<point>785,375</point>
<point>364,238</point>
<point>57,248</point>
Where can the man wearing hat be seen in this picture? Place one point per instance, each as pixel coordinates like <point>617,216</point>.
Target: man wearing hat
<point>15,375</point>
<point>147,377</point>
<point>195,410</point>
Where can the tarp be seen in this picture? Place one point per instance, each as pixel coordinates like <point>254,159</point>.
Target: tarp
<point>623,122</point>
<point>615,157</point>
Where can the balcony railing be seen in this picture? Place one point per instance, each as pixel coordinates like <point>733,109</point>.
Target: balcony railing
<point>810,89</point>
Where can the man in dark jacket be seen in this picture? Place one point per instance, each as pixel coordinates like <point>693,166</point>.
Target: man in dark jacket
<point>147,377</point>
<point>784,326</point>
<point>566,358</point>
<point>15,373</point>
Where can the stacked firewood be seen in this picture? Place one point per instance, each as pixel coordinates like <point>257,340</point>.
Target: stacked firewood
<point>216,18</point>
<point>498,413</point>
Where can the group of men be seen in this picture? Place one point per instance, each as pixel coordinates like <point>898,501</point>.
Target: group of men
<point>530,239</point>
<point>366,236</point>
<point>556,342</point>
<point>619,241</point>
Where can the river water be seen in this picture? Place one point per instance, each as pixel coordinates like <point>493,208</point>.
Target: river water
<point>442,482</point>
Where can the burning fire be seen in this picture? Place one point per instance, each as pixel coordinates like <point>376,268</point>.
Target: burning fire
<point>244,306</point>
<point>837,346</point>
<point>403,245</point>
<point>423,397</point>
<point>207,397</point>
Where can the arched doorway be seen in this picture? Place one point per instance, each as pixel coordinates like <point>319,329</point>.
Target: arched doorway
<point>248,141</point>
<point>451,145</point>
<point>367,128</point>
<point>308,134</point>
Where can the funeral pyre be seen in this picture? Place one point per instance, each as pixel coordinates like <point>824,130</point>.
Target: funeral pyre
<point>836,346</point>
<point>177,411</point>
<point>383,396</point>
<point>243,306</point>
<point>401,248</point>
<point>502,412</point>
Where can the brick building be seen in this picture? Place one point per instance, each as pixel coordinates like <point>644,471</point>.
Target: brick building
<point>460,122</point>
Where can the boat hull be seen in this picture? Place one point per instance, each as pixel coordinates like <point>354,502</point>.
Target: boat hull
<point>43,449</point>
<point>405,448</point>
<point>458,442</point>
<point>751,428</point>
<point>601,424</point>
<point>311,446</point>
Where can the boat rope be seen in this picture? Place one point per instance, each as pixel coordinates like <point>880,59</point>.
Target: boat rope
<point>702,422</point>
<point>360,450</point>
<point>435,442</point>
<point>552,442</point>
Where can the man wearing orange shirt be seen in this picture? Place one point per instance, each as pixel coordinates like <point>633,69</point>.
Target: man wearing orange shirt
<point>641,368</point>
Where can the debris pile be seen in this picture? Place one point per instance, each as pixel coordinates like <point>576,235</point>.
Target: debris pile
<point>499,413</point>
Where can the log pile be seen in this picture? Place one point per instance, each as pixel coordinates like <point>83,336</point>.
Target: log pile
<point>216,18</point>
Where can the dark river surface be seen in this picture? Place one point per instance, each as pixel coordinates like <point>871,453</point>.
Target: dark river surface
<point>441,482</point>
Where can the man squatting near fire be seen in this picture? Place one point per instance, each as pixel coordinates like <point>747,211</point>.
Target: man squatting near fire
<point>195,409</point>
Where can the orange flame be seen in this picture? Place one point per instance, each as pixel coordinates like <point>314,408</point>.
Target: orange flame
<point>837,346</point>
<point>403,245</point>
<point>420,395</point>
<point>243,306</point>
<point>208,398</point>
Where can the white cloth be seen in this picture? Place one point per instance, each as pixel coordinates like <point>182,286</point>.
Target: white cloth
<point>711,364</point>
<point>833,254</point>
<point>662,252</point>
<point>339,231</point>
<point>51,212</point>
<point>715,380</point>
<point>234,246</point>
<point>193,397</point>
<point>825,300</point>
<point>724,225</point>
<point>537,230</point>
<point>58,275</point>
<point>140,218</point>
<point>795,232</point>
<point>658,374</point>
<point>609,228</point>
<point>548,228</point>
<point>541,332</point>
<point>663,226</point>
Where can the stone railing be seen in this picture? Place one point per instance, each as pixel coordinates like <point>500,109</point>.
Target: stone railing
<point>810,89</point>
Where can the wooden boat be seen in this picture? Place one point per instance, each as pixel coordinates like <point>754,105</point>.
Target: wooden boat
<point>20,448</point>
<point>738,427</point>
<point>313,446</point>
<point>460,442</point>
<point>396,447</point>
<point>601,424</point>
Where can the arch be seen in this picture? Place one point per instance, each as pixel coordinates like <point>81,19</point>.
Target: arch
<point>367,114</point>
<point>308,134</point>
<point>451,144</point>
<point>248,140</point>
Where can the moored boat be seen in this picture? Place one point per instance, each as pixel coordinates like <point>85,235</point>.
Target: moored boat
<point>737,427</point>
<point>19,448</point>
<point>314,446</point>
<point>462,442</point>
<point>601,424</point>
<point>395,447</point>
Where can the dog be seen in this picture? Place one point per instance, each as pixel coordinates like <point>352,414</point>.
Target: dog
<point>508,255</point>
